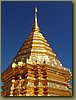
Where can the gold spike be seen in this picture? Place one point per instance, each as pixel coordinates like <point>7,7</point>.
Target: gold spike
<point>35,26</point>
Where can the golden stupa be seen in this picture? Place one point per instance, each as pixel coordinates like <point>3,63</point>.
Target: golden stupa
<point>35,70</point>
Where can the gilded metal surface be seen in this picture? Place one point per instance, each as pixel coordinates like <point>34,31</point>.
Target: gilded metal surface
<point>36,71</point>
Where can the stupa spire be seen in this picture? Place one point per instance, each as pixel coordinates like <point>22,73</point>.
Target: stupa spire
<point>35,70</point>
<point>35,26</point>
<point>36,17</point>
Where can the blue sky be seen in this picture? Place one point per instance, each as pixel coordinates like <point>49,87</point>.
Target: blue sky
<point>55,22</point>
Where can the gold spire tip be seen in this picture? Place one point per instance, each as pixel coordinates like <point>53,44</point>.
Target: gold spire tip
<point>35,27</point>
<point>36,9</point>
<point>36,14</point>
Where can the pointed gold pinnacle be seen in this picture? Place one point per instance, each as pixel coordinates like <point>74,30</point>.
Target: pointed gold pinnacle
<point>35,26</point>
